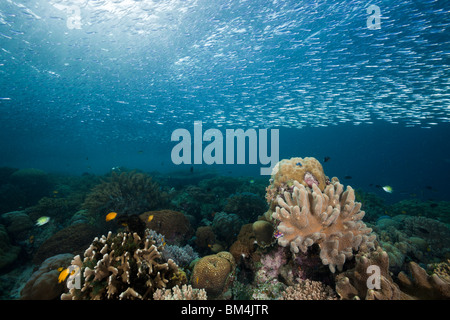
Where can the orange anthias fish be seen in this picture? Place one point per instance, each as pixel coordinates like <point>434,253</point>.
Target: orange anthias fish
<point>63,275</point>
<point>150,218</point>
<point>110,216</point>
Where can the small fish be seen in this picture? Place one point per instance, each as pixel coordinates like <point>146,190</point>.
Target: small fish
<point>277,234</point>
<point>150,218</point>
<point>388,189</point>
<point>326,159</point>
<point>42,220</point>
<point>252,181</point>
<point>403,211</point>
<point>63,275</point>
<point>111,216</point>
<point>55,192</point>
<point>140,152</point>
<point>347,177</point>
<point>197,280</point>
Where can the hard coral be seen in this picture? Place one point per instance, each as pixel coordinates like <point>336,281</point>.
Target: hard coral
<point>184,293</point>
<point>174,225</point>
<point>306,171</point>
<point>73,239</point>
<point>124,266</point>
<point>331,219</point>
<point>309,290</point>
<point>214,273</point>
<point>125,193</point>
<point>43,284</point>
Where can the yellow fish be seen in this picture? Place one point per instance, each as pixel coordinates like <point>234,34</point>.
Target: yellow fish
<point>110,216</point>
<point>150,218</point>
<point>197,280</point>
<point>63,275</point>
<point>42,220</point>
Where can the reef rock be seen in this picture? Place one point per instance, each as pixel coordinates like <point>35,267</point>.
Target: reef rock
<point>331,219</point>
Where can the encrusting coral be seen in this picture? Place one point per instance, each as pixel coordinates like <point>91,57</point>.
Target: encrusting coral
<point>331,219</point>
<point>123,266</point>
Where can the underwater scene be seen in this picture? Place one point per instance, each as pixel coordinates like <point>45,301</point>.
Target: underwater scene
<point>224,150</point>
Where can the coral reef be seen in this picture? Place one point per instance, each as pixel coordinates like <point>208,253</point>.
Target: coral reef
<point>244,248</point>
<point>331,219</point>
<point>246,205</point>
<point>43,283</point>
<point>308,290</point>
<point>124,266</point>
<point>441,269</point>
<point>73,239</point>
<point>263,231</point>
<point>306,171</point>
<point>214,273</point>
<point>353,283</point>
<point>182,256</point>
<point>174,225</point>
<point>422,286</point>
<point>226,227</point>
<point>186,292</point>
<point>125,193</point>
<point>412,238</point>
<point>8,252</point>
<point>204,238</point>
<point>17,223</point>
<point>439,210</point>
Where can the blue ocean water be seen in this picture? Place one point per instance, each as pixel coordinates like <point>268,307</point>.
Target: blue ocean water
<point>91,85</point>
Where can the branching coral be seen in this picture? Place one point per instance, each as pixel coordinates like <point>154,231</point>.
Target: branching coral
<point>184,293</point>
<point>124,266</point>
<point>125,193</point>
<point>331,219</point>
